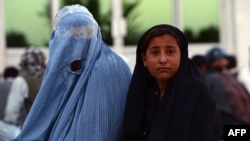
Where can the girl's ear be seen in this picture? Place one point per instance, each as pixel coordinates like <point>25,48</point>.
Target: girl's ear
<point>143,56</point>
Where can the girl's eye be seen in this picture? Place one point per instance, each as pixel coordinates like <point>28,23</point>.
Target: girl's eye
<point>170,52</point>
<point>154,52</point>
<point>76,65</point>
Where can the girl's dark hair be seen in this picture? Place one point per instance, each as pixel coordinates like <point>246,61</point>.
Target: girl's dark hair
<point>156,33</point>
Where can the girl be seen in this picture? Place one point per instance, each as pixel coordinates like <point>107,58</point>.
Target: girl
<point>167,98</point>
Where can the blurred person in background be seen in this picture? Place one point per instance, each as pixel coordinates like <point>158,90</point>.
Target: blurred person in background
<point>25,87</point>
<point>232,100</point>
<point>201,62</point>
<point>233,70</point>
<point>232,67</point>
<point>7,131</point>
<point>9,74</point>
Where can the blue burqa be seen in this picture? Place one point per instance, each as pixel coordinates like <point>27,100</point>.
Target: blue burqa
<point>84,88</point>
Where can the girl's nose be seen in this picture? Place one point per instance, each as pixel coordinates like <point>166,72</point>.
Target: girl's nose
<point>163,58</point>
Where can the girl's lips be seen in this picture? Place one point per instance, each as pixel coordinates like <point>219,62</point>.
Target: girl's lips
<point>163,69</point>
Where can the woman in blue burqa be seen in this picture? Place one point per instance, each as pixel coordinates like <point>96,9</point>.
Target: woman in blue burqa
<point>83,93</point>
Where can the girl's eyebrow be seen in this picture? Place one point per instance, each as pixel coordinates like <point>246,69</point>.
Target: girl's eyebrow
<point>154,47</point>
<point>170,46</point>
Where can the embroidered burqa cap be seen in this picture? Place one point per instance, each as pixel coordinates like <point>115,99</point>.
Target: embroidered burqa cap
<point>84,88</point>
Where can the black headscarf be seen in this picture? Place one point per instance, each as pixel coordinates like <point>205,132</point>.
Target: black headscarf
<point>186,112</point>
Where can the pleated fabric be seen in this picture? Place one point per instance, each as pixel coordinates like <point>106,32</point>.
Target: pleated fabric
<point>83,93</point>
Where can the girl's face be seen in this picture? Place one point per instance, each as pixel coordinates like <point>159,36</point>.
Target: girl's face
<point>162,57</point>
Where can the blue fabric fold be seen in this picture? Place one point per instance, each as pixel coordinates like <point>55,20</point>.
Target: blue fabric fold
<point>84,89</point>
